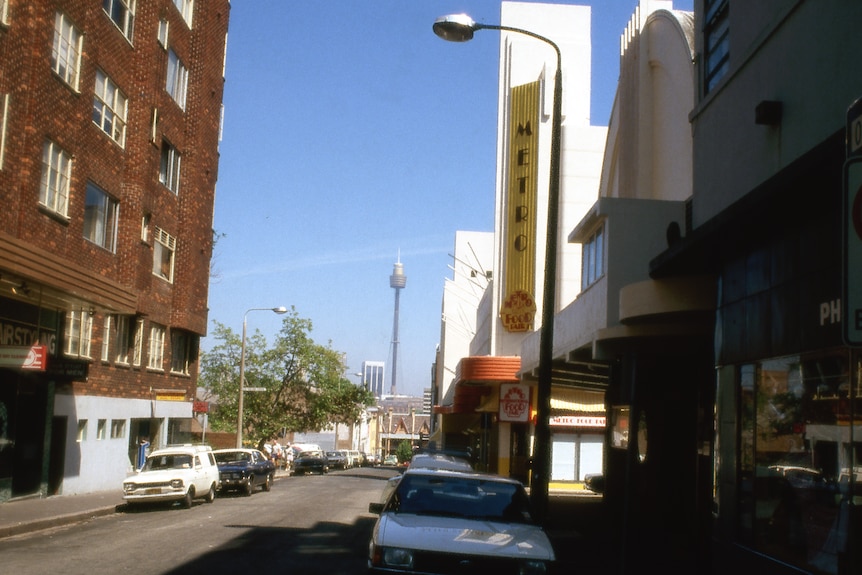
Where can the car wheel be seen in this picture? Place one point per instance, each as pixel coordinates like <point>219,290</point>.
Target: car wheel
<point>267,485</point>
<point>190,495</point>
<point>212,494</point>
<point>249,486</point>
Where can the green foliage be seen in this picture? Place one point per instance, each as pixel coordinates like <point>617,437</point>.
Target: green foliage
<point>304,381</point>
<point>404,451</point>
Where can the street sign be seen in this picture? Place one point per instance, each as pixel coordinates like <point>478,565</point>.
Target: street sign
<point>254,389</point>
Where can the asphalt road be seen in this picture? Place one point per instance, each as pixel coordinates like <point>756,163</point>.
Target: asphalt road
<point>308,525</point>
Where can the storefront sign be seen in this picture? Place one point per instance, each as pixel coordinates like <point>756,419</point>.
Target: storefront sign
<point>32,358</point>
<point>579,421</point>
<point>170,395</point>
<point>518,312</point>
<point>202,407</point>
<point>514,402</point>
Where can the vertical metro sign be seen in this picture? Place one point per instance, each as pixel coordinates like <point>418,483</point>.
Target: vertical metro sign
<point>852,224</point>
<point>518,308</point>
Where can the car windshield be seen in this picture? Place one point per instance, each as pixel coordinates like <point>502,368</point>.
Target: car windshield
<point>232,457</point>
<point>470,497</point>
<point>172,461</point>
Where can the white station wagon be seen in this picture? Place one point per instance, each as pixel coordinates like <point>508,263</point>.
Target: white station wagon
<point>176,473</point>
<point>444,521</point>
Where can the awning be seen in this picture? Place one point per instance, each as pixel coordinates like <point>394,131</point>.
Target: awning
<point>477,377</point>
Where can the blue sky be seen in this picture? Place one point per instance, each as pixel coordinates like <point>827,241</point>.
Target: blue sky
<point>352,134</point>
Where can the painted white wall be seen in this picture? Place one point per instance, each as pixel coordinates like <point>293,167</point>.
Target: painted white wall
<point>101,464</point>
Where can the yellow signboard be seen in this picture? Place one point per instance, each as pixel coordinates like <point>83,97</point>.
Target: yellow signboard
<point>521,201</point>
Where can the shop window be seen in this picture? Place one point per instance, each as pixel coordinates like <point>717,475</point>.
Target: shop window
<point>798,443</point>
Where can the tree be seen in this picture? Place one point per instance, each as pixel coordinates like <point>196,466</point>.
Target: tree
<point>404,451</point>
<point>304,382</point>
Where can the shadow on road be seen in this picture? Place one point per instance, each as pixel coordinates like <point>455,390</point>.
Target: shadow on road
<point>327,548</point>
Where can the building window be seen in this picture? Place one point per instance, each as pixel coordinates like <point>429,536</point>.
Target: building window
<point>66,55</point>
<point>145,228</point>
<point>716,38</point>
<point>181,346</point>
<point>163,255</point>
<point>110,107</point>
<point>169,168</point>
<point>186,7</point>
<point>79,326</point>
<point>4,119</point>
<point>156,351</point>
<point>122,12</point>
<point>101,213</point>
<point>101,429</point>
<point>123,340</point>
<point>106,338</point>
<point>4,11</point>
<point>139,342</point>
<point>592,259</point>
<point>177,79</point>
<point>162,36</point>
<point>118,428</point>
<point>797,443</point>
<point>56,175</point>
<point>82,431</point>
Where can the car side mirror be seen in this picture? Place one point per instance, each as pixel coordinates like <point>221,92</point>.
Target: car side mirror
<point>376,508</point>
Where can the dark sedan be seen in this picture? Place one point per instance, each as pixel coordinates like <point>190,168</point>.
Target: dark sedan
<point>310,462</point>
<point>244,470</point>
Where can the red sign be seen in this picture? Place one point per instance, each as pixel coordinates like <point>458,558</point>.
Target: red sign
<point>31,358</point>
<point>200,407</point>
<point>514,402</point>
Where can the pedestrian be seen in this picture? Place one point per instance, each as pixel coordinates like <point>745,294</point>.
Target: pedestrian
<point>277,454</point>
<point>288,463</point>
<point>267,447</point>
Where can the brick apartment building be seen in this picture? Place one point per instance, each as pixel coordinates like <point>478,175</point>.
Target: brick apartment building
<point>110,116</point>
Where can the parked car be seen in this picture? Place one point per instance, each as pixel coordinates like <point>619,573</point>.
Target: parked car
<point>426,461</point>
<point>310,462</point>
<point>390,460</point>
<point>336,459</point>
<point>443,521</point>
<point>177,473</point>
<point>244,470</point>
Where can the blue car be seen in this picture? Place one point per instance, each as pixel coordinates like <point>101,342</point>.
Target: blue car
<point>244,470</point>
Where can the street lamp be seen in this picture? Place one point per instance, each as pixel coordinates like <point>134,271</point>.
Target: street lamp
<point>460,28</point>
<point>278,310</point>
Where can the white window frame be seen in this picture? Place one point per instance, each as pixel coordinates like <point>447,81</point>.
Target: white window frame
<point>4,120</point>
<point>110,108</point>
<point>169,167</point>
<point>101,215</point>
<point>81,434</point>
<point>186,8</point>
<point>164,254</point>
<point>123,341</point>
<point>181,346</point>
<point>593,258</point>
<point>177,79</point>
<point>66,53</point>
<point>78,334</point>
<point>122,14</point>
<point>101,429</point>
<point>137,357</point>
<point>156,348</point>
<point>56,178</point>
<point>106,338</point>
<point>4,11</point>
<point>118,428</point>
<point>163,32</point>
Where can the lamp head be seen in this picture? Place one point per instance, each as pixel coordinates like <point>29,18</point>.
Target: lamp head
<point>455,27</point>
<point>280,309</point>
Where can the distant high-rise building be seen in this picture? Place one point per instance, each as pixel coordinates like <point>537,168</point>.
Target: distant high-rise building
<point>374,376</point>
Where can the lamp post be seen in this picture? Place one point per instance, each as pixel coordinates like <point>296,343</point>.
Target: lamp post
<point>278,310</point>
<point>460,28</point>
